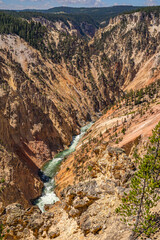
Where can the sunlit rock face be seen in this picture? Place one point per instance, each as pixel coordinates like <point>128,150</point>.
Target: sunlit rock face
<point>43,103</point>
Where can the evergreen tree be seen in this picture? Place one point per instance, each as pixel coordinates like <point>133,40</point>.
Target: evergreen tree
<point>1,235</point>
<point>144,195</point>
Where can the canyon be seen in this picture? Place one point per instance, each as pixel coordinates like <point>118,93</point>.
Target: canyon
<point>111,77</point>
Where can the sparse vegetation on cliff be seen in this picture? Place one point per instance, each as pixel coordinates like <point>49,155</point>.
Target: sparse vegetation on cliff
<point>144,193</point>
<point>31,32</point>
<point>69,81</point>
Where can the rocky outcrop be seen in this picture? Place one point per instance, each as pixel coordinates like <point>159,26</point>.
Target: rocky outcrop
<point>45,97</point>
<point>92,181</point>
<point>110,162</point>
<point>86,211</point>
<point>23,223</point>
<point>90,205</point>
<point>128,124</point>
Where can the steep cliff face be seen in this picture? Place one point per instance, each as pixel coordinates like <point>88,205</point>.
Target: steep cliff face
<point>69,27</point>
<point>42,107</point>
<point>22,116</point>
<point>93,179</point>
<point>45,96</point>
<point>128,50</point>
<point>127,125</point>
<point>17,182</point>
<point>87,206</point>
<point>34,123</point>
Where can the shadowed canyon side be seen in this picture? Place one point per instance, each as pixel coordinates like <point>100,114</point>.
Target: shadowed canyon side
<point>42,103</point>
<point>49,89</point>
<point>93,179</point>
<point>38,116</point>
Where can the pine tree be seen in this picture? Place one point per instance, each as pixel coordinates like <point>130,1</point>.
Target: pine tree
<point>1,235</point>
<point>144,195</point>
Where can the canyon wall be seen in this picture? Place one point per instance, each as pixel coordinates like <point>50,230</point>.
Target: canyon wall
<point>44,99</point>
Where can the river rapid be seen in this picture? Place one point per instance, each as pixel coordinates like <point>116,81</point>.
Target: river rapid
<point>50,169</point>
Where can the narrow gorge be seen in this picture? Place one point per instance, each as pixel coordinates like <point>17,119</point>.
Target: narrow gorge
<point>50,170</point>
<point>58,72</point>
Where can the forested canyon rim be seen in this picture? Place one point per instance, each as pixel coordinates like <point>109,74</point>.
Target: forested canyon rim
<point>67,76</point>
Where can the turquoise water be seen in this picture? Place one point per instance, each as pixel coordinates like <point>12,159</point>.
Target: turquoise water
<point>50,169</point>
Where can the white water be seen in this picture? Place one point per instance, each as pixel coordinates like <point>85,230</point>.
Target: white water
<point>50,170</point>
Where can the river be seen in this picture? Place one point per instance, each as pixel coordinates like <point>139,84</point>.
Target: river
<point>50,169</point>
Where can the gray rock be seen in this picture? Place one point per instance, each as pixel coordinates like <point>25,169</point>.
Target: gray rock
<point>36,222</point>
<point>80,203</point>
<point>74,212</point>
<point>55,233</point>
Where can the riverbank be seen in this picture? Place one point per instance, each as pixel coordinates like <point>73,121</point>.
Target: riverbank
<point>50,169</point>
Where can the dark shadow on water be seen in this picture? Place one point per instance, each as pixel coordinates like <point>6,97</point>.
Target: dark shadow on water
<point>43,177</point>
